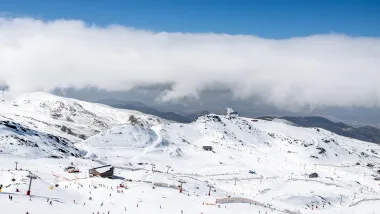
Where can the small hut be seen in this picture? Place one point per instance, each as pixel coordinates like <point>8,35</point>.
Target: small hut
<point>313,175</point>
<point>71,169</point>
<point>103,171</point>
<point>207,148</point>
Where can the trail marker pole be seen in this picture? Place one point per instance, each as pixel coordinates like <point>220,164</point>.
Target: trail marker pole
<point>16,164</point>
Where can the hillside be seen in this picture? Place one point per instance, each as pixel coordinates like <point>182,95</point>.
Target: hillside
<point>23,142</point>
<point>69,118</point>
<point>365,133</point>
<point>282,154</point>
<point>252,166</point>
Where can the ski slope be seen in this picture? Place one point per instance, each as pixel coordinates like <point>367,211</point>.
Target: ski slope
<point>151,156</point>
<point>282,155</point>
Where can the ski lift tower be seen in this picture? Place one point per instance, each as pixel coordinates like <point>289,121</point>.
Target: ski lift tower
<point>30,183</point>
<point>182,182</point>
<point>210,187</point>
<point>168,167</point>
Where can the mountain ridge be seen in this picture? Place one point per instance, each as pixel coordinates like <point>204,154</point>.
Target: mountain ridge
<point>365,133</point>
<point>144,108</point>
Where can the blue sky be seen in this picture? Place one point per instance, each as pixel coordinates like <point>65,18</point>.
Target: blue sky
<point>265,18</point>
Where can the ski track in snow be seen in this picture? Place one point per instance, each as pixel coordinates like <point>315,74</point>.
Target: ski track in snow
<point>155,143</point>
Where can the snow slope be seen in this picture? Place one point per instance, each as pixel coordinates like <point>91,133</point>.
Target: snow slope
<point>69,118</point>
<point>23,142</point>
<point>282,155</point>
<point>151,156</point>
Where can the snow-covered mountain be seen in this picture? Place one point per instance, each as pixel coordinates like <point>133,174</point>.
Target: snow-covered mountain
<point>23,142</point>
<point>283,154</point>
<point>223,133</point>
<point>69,118</point>
<point>250,165</point>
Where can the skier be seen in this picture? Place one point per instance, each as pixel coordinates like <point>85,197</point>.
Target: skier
<point>51,202</point>
<point>181,211</point>
<point>101,204</point>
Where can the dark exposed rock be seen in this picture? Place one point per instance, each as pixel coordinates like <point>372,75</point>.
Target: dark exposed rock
<point>321,150</point>
<point>313,175</point>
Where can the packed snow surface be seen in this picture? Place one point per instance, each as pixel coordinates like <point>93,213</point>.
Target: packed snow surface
<point>254,166</point>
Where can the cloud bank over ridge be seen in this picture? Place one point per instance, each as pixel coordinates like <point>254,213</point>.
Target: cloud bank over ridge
<point>332,70</point>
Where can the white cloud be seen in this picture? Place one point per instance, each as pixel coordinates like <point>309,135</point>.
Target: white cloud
<point>335,70</point>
